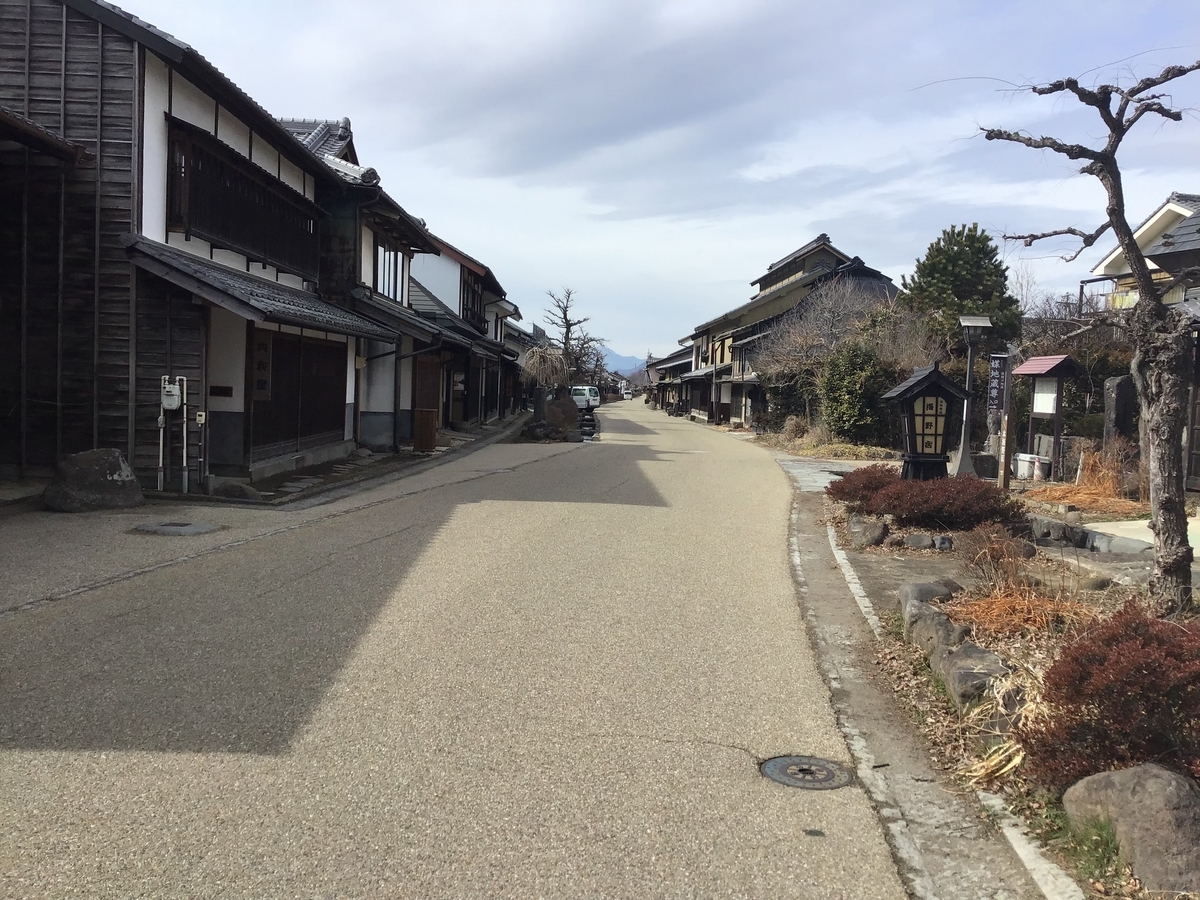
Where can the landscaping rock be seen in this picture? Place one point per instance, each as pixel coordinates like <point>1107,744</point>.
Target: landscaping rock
<point>1094,583</point>
<point>362,453</point>
<point>919,542</point>
<point>1073,518</point>
<point>965,671</point>
<point>951,585</point>
<point>866,532</point>
<point>1155,814</point>
<point>563,413</point>
<point>93,479</point>
<point>922,593</point>
<point>893,541</point>
<point>1027,550</point>
<point>943,542</point>
<point>1128,545</point>
<point>574,436</point>
<point>1056,531</point>
<point>236,490</point>
<point>929,628</point>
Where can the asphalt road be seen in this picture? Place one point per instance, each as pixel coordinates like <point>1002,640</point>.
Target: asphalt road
<point>538,672</point>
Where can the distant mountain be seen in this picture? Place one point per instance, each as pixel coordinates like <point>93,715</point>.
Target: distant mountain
<point>623,364</point>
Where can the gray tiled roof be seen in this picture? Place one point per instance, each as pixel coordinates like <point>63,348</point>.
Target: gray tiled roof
<point>321,136</point>
<point>1184,237</point>
<point>428,306</point>
<point>37,137</point>
<point>272,301</point>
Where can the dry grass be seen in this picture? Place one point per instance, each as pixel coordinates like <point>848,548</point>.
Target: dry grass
<point>809,447</point>
<point>1013,609</point>
<point>1101,485</point>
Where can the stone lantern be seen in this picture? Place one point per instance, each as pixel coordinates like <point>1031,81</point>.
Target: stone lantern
<point>925,401</point>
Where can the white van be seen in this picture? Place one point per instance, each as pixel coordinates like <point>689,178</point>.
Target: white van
<point>586,396</point>
<point>628,395</point>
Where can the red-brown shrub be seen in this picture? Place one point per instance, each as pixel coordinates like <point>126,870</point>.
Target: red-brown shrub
<point>858,487</point>
<point>1126,692</point>
<point>952,504</point>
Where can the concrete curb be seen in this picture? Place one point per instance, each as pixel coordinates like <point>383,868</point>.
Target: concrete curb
<point>1082,537</point>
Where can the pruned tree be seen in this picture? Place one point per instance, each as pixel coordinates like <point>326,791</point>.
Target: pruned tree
<point>561,318</point>
<point>544,367</point>
<point>1162,363</point>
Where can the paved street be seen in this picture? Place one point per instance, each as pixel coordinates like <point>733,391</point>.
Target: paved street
<point>535,671</point>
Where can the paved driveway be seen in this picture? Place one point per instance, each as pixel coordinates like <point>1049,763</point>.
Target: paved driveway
<point>534,672</point>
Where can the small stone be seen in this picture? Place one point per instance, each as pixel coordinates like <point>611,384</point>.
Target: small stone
<point>919,542</point>
<point>1094,583</point>
<point>951,585</point>
<point>921,592</point>
<point>866,532</point>
<point>943,542</point>
<point>893,541</point>
<point>362,453</point>
<point>237,490</point>
<point>1026,550</point>
<point>1074,518</point>
<point>966,671</point>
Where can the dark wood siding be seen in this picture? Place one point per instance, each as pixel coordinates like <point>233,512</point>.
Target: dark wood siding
<point>170,340</point>
<point>75,77</point>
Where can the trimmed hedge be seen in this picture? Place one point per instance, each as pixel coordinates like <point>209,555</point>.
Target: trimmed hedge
<point>1126,692</point>
<point>951,504</point>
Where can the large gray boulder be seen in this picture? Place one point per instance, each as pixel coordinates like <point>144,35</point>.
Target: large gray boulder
<point>94,479</point>
<point>929,628</point>
<point>1155,814</point>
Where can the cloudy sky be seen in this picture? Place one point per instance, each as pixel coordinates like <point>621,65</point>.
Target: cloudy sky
<point>658,155</point>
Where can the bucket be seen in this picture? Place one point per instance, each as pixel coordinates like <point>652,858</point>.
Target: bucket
<point>1029,466</point>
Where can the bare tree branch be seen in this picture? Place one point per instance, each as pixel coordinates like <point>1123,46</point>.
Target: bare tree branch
<point>1070,151</point>
<point>1086,239</point>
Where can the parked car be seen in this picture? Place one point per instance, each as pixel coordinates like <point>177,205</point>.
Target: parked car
<point>628,395</point>
<point>586,396</point>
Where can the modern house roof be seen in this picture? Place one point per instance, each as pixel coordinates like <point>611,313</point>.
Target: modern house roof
<point>1178,211</point>
<point>247,295</point>
<point>199,70</point>
<point>16,127</point>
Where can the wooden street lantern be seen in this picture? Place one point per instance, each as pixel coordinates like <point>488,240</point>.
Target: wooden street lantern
<point>1045,397</point>
<point>925,401</point>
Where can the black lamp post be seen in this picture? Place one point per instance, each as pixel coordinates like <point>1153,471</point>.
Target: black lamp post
<point>972,327</point>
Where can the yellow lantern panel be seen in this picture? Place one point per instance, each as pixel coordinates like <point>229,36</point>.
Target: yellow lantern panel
<point>929,424</point>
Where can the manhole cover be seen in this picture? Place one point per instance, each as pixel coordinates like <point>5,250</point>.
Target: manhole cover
<point>176,529</point>
<point>809,772</point>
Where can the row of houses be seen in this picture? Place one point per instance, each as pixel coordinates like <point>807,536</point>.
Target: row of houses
<point>712,378</point>
<point>160,230</point>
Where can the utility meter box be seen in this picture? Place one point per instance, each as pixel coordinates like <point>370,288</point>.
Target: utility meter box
<point>171,397</point>
<point>201,417</point>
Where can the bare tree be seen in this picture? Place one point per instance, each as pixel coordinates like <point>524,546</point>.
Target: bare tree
<point>560,317</point>
<point>1162,358</point>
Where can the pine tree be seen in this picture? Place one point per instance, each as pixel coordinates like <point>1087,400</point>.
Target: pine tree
<point>961,275</point>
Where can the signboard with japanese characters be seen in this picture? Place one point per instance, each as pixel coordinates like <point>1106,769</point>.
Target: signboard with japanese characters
<point>260,365</point>
<point>997,381</point>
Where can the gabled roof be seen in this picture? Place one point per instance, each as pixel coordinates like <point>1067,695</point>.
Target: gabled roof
<point>673,359</point>
<point>428,306</point>
<point>409,229</point>
<point>490,283</point>
<point>821,240</point>
<point>1060,366</point>
<point>16,127</point>
<point>1172,213</point>
<point>1184,237</point>
<point>204,74</point>
<point>247,295</point>
<point>324,136</point>
<point>922,379</point>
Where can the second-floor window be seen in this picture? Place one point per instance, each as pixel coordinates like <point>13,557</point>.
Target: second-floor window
<point>388,268</point>
<point>472,299</point>
<point>218,196</point>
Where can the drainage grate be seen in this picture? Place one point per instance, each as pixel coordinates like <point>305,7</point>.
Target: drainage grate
<point>808,772</point>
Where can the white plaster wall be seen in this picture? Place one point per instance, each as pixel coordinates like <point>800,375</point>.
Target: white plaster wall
<point>263,271</point>
<point>405,268</point>
<point>233,132</point>
<point>351,382</point>
<point>264,154</point>
<point>406,374</point>
<point>227,359</point>
<point>195,245</point>
<point>229,258</point>
<point>291,175</point>
<point>439,274</point>
<point>290,280</point>
<point>191,104</point>
<point>310,187</point>
<point>155,96</point>
<point>366,269</point>
<point>378,379</point>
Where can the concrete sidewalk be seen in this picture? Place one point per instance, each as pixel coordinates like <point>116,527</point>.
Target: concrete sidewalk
<point>1139,529</point>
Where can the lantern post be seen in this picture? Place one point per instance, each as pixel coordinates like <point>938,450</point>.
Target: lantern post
<point>972,327</point>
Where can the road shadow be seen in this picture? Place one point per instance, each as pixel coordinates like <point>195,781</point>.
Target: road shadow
<point>234,651</point>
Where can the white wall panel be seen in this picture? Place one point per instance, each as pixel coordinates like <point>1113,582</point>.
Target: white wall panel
<point>195,245</point>
<point>227,359</point>
<point>291,175</point>
<point>406,374</point>
<point>366,272</point>
<point>264,154</point>
<point>290,280</point>
<point>233,132</point>
<point>378,379</point>
<point>439,274</point>
<point>191,104</point>
<point>155,97</point>
<point>229,258</point>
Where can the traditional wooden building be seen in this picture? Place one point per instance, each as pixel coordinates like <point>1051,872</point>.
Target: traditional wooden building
<point>463,296</point>
<point>158,223</point>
